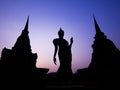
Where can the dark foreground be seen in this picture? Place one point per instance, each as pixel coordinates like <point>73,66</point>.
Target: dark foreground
<point>50,81</point>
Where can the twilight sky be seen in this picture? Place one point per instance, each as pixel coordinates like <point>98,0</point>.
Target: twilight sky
<point>75,17</point>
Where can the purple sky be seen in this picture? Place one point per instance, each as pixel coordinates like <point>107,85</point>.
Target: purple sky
<point>75,17</point>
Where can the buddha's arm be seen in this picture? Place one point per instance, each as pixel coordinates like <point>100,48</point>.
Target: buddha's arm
<point>71,41</point>
<point>55,52</point>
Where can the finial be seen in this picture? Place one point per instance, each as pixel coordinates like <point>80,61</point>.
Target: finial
<point>26,26</point>
<point>60,31</point>
<point>96,26</point>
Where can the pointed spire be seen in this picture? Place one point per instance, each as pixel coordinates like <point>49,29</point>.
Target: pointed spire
<point>26,26</point>
<point>23,41</point>
<point>97,28</point>
<point>99,34</point>
<point>60,31</point>
<point>60,28</point>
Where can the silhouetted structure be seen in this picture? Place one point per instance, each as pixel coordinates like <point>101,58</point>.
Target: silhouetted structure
<point>105,54</point>
<point>105,57</point>
<point>19,63</point>
<point>64,53</point>
<point>104,68</point>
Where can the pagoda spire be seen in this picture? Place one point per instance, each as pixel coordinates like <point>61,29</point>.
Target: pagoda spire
<point>23,41</point>
<point>99,33</point>
<point>27,22</point>
<point>97,28</point>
